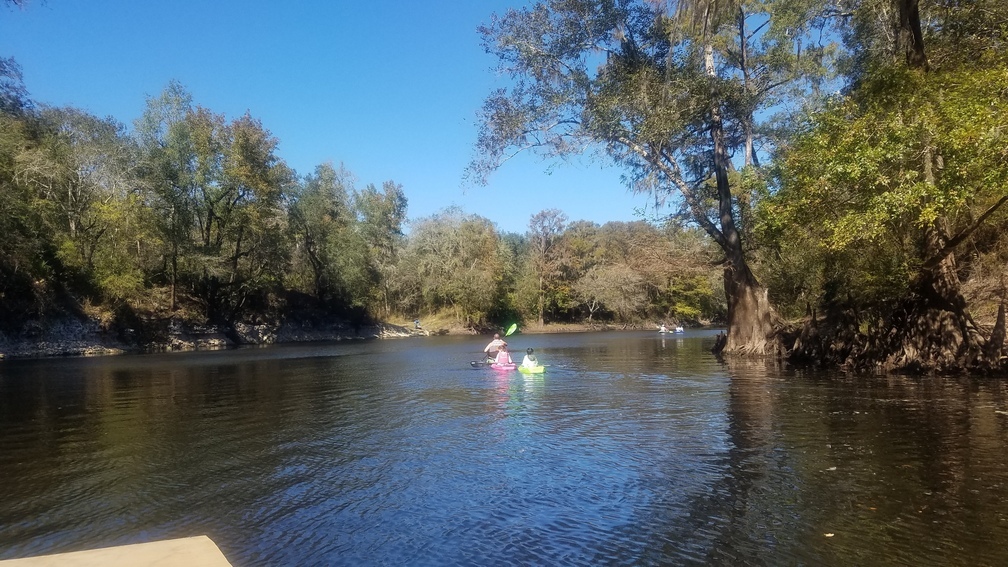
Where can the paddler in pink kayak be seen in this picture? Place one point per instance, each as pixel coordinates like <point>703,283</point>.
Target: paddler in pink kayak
<point>503,357</point>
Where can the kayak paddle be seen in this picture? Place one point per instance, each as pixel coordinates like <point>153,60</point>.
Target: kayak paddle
<point>511,329</point>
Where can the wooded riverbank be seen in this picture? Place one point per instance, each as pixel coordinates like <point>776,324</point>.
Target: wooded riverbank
<point>76,337</point>
<point>70,336</point>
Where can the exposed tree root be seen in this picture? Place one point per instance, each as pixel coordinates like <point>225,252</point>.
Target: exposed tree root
<point>918,338</point>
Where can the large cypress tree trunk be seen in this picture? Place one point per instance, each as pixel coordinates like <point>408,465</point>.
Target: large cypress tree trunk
<point>751,318</point>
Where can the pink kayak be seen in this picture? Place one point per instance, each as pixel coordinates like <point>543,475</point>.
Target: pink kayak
<point>496,366</point>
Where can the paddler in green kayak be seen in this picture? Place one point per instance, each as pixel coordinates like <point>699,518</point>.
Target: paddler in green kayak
<point>530,364</point>
<point>530,359</point>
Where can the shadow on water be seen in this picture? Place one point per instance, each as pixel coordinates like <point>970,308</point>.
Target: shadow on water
<point>829,469</point>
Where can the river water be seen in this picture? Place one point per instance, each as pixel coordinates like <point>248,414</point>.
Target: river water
<point>632,449</point>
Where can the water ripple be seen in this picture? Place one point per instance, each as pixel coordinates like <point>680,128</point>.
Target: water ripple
<point>628,451</point>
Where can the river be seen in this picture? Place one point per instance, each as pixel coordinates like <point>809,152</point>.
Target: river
<point>633,448</point>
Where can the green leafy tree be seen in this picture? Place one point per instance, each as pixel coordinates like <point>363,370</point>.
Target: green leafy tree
<point>580,240</point>
<point>216,189</point>
<point>84,168</point>
<point>545,253</point>
<point>663,88</point>
<point>348,239</point>
<point>615,287</point>
<point>320,215</point>
<point>893,179</point>
<point>382,214</point>
<point>460,263</point>
<point>251,218</point>
<point>27,252</point>
<point>909,172</point>
<point>168,170</point>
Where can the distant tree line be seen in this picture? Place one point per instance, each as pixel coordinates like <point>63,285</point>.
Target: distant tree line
<point>194,215</point>
<point>557,271</point>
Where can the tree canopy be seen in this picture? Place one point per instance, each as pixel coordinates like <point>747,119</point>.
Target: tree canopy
<point>896,189</point>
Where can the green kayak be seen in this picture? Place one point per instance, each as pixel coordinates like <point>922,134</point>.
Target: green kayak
<point>532,369</point>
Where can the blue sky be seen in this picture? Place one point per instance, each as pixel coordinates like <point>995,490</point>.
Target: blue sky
<point>390,89</point>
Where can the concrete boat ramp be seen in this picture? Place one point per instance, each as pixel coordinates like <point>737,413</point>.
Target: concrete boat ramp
<point>198,551</point>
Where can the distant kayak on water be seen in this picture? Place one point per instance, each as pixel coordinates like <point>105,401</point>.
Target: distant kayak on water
<point>502,367</point>
<point>532,369</point>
